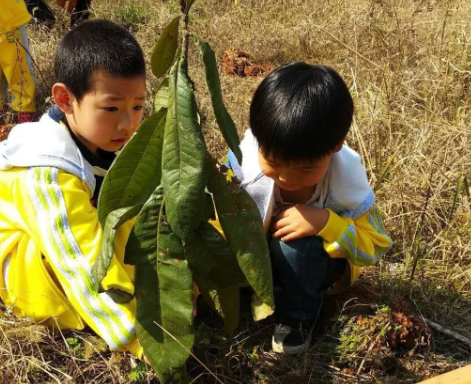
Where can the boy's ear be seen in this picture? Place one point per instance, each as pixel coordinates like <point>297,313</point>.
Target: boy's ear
<point>63,97</point>
<point>338,147</point>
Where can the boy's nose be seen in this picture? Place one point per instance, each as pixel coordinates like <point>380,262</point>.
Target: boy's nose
<point>125,122</point>
<point>286,179</point>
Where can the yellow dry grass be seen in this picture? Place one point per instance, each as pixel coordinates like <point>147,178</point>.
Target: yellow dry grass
<point>408,65</point>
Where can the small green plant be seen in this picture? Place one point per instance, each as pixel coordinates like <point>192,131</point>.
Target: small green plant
<point>75,346</point>
<point>167,179</point>
<point>138,373</point>
<point>385,309</point>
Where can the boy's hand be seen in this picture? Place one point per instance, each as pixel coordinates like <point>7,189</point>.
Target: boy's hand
<point>299,221</point>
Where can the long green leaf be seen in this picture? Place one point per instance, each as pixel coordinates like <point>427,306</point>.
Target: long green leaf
<point>210,213</point>
<point>161,96</point>
<point>114,220</point>
<point>211,261</point>
<point>184,166</point>
<point>176,302</point>
<point>146,290</point>
<point>223,118</point>
<point>188,4</point>
<point>142,243</point>
<point>141,250</point>
<point>229,302</point>
<point>225,301</point>
<point>163,292</point>
<point>136,171</point>
<point>165,48</point>
<point>223,269</point>
<point>243,228</point>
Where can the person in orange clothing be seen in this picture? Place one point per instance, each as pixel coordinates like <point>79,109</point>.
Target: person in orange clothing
<point>16,70</point>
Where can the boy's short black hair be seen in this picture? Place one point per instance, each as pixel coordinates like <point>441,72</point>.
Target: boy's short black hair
<point>93,47</point>
<point>301,112</point>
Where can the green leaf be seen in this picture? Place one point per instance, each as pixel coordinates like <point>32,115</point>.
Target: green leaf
<point>243,228</point>
<point>223,118</point>
<point>164,296</point>
<point>211,261</point>
<point>210,213</point>
<point>188,3</point>
<point>119,296</point>
<point>184,166</point>
<point>114,220</point>
<point>165,48</point>
<point>225,301</point>
<point>161,96</point>
<point>260,310</point>
<point>136,172</point>
<point>222,267</point>
<point>146,290</point>
<point>142,243</point>
<point>176,301</point>
<point>229,302</point>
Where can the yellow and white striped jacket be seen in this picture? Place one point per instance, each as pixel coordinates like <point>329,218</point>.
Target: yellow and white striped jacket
<point>50,237</point>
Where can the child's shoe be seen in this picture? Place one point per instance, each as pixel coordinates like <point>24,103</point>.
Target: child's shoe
<point>292,336</point>
<point>26,117</point>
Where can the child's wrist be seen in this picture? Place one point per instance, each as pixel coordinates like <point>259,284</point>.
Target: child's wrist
<point>322,218</point>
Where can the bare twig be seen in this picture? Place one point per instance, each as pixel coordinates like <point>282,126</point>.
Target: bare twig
<point>453,334</point>
<point>420,226</point>
<point>371,346</point>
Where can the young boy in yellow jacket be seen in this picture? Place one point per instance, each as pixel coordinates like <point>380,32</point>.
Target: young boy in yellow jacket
<point>50,175</point>
<point>312,192</point>
<point>16,69</point>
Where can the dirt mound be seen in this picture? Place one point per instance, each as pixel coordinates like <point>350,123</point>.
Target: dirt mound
<point>238,63</point>
<point>394,331</point>
<point>369,341</point>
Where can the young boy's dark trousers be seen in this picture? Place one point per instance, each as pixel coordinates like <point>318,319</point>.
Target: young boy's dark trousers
<point>304,270</point>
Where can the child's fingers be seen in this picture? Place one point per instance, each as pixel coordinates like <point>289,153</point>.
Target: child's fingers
<point>283,214</point>
<point>283,231</point>
<point>280,224</point>
<point>292,236</point>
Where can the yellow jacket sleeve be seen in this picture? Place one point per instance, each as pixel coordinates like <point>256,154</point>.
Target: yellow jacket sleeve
<point>362,241</point>
<point>13,13</point>
<point>64,225</point>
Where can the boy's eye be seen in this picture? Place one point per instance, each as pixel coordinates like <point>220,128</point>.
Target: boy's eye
<point>138,107</point>
<point>307,170</point>
<point>111,109</point>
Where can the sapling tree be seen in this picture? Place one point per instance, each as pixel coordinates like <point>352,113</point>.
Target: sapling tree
<point>166,180</point>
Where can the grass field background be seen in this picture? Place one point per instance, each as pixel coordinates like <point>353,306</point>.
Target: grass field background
<point>408,66</point>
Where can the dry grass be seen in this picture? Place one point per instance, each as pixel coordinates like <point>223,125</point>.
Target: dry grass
<point>409,68</point>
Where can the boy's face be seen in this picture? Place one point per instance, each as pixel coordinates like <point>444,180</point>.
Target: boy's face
<point>110,113</point>
<point>294,177</point>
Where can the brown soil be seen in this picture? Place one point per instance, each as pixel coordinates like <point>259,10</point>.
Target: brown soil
<point>238,63</point>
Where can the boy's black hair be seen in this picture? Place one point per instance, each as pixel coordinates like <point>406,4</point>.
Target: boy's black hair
<point>93,47</point>
<point>301,112</point>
